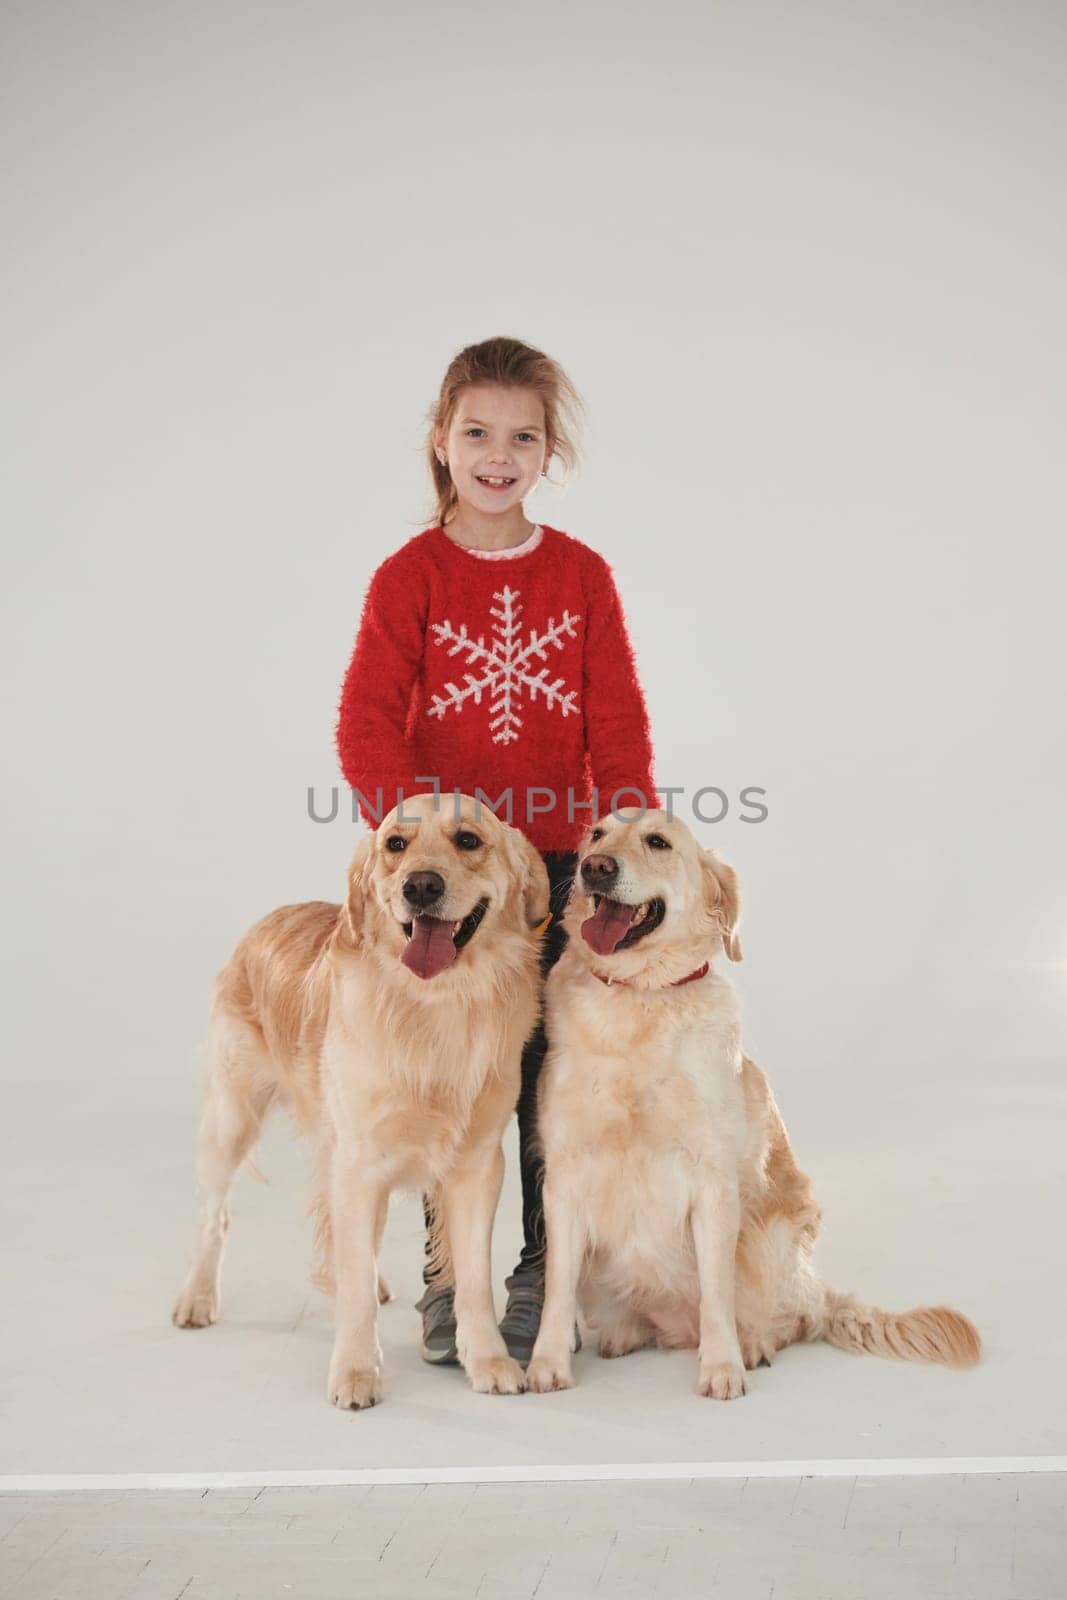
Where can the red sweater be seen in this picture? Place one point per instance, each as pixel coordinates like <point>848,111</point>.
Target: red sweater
<point>512,672</point>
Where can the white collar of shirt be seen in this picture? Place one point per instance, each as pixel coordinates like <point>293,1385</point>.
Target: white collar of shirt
<point>522,549</point>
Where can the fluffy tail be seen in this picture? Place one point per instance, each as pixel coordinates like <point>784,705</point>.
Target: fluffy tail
<point>929,1333</point>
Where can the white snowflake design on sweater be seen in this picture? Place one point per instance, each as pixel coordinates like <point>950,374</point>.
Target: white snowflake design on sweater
<point>506,666</point>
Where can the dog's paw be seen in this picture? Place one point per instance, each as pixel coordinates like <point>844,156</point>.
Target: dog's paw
<point>725,1381</point>
<point>355,1388</point>
<point>496,1375</point>
<point>545,1374</point>
<point>196,1307</point>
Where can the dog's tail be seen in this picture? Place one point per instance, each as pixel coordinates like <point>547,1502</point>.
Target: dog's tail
<point>927,1333</point>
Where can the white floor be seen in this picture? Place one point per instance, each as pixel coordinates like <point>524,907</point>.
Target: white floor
<point>928,1198</point>
<point>968,1538</point>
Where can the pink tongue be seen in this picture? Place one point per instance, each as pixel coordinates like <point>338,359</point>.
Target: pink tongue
<point>603,930</point>
<point>431,948</point>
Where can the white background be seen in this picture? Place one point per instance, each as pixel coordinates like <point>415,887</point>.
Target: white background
<point>806,265</point>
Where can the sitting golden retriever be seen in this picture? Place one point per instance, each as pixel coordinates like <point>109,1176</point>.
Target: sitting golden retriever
<point>392,1027</point>
<point>674,1210</point>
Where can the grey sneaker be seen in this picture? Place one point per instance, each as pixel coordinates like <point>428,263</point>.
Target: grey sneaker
<point>439,1325</point>
<point>522,1319</point>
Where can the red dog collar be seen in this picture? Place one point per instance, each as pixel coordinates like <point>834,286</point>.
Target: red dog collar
<point>699,973</point>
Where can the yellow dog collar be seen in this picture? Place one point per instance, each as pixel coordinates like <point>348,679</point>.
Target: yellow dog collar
<point>541,926</point>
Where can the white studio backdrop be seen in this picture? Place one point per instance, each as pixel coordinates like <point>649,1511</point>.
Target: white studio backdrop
<point>806,266</point>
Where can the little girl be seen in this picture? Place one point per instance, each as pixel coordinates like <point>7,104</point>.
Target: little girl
<point>493,655</point>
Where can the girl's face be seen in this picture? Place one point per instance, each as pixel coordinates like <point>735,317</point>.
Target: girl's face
<point>496,433</point>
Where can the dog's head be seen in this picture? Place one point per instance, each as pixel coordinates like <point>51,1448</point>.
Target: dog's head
<point>441,883</point>
<point>648,901</point>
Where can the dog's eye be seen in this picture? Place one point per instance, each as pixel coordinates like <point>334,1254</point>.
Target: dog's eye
<point>657,841</point>
<point>396,842</point>
<point>597,833</point>
<point>468,841</point>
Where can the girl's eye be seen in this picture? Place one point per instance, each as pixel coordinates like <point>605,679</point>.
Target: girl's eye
<point>395,843</point>
<point>657,841</point>
<point>522,434</point>
<point>468,841</point>
<point>597,833</point>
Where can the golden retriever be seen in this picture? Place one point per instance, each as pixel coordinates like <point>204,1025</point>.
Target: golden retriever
<point>392,1027</point>
<point>675,1212</point>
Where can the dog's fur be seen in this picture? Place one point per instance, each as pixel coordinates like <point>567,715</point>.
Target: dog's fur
<point>399,1081</point>
<point>676,1214</point>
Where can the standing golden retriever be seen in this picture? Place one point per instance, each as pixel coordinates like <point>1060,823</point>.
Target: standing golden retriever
<point>392,1026</point>
<point>674,1209</point>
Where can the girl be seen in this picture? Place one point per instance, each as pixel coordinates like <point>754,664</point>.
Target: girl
<point>492,655</point>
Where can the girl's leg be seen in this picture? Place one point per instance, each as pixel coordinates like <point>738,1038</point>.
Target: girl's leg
<point>531,1263</point>
<point>526,1284</point>
<point>438,1300</point>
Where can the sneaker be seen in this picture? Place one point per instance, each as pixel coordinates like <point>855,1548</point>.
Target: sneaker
<point>522,1319</point>
<point>439,1325</point>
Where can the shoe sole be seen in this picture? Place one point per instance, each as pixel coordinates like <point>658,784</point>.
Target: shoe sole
<point>440,1358</point>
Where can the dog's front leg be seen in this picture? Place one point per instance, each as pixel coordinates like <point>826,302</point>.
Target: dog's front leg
<point>470,1195</point>
<point>358,1198</point>
<point>715,1219</point>
<point>550,1364</point>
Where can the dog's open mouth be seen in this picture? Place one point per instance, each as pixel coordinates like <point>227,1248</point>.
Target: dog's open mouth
<point>614,926</point>
<point>433,944</point>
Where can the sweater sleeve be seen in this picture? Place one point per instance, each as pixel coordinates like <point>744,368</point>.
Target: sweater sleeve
<point>371,728</point>
<point>616,719</point>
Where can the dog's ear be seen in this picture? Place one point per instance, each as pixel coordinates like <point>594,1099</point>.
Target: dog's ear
<point>722,898</point>
<point>358,888</point>
<point>533,875</point>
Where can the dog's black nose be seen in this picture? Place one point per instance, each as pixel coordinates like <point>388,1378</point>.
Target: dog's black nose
<point>599,872</point>
<point>421,889</point>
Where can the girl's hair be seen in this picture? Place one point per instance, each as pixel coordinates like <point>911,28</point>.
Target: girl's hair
<point>516,366</point>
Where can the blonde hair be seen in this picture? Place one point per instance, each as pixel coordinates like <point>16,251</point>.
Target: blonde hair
<point>515,365</point>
